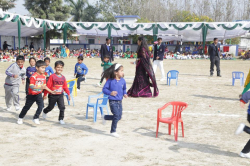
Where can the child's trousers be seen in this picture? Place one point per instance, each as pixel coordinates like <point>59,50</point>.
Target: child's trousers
<point>79,80</point>
<point>30,99</point>
<point>246,149</point>
<point>53,99</point>
<point>11,95</point>
<point>116,109</point>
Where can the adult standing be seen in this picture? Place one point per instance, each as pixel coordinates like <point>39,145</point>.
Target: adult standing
<point>214,52</point>
<point>5,45</point>
<point>177,48</point>
<point>31,46</point>
<point>106,49</point>
<point>144,74</point>
<point>159,50</point>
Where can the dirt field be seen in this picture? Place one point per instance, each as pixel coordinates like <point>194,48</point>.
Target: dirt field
<point>210,121</point>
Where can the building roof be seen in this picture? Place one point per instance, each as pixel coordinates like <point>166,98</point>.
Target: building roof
<point>128,16</point>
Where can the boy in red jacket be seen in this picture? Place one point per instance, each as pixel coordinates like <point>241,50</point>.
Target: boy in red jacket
<point>58,84</point>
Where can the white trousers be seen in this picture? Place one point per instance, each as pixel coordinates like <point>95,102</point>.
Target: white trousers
<point>159,63</point>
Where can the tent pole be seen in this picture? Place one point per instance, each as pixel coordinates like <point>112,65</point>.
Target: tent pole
<point>65,29</point>
<point>204,36</point>
<point>109,31</point>
<point>19,34</point>
<point>44,38</point>
<point>155,32</point>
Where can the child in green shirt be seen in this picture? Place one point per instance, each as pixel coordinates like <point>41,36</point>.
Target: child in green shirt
<point>105,64</point>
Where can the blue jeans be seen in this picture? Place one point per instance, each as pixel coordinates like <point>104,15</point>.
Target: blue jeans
<point>116,109</point>
<point>79,80</point>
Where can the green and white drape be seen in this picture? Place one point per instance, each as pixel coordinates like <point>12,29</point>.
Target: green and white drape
<point>192,31</point>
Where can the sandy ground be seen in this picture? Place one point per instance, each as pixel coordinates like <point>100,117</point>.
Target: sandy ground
<point>210,120</point>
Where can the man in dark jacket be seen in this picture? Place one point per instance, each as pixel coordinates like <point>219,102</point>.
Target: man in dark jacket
<point>214,52</point>
<point>106,49</point>
<point>159,50</point>
<point>5,45</point>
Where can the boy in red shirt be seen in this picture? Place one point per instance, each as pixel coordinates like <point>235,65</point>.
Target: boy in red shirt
<point>36,87</point>
<point>58,84</point>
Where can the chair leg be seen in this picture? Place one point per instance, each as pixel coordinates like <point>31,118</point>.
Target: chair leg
<point>169,81</point>
<point>72,98</point>
<point>157,128</point>
<point>107,109</point>
<point>87,110</point>
<point>182,127</point>
<point>176,131</point>
<point>94,113</point>
<point>233,82</point>
<point>101,109</point>
<point>169,129</point>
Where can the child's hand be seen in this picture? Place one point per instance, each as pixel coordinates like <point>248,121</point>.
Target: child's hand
<point>157,57</point>
<point>53,92</point>
<point>102,63</point>
<point>74,74</point>
<point>126,96</point>
<point>23,81</point>
<point>113,93</point>
<point>15,76</point>
<point>242,105</point>
<point>44,97</point>
<point>69,98</point>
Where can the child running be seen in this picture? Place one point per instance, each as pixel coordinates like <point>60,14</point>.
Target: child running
<point>105,64</point>
<point>80,71</point>
<point>242,127</point>
<point>58,84</point>
<point>37,85</point>
<point>115,87</point>
<point>15,73</point>
<point>29,72</point>
<point>48,69</point>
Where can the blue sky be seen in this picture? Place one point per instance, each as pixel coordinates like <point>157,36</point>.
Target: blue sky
<point>20,9</point>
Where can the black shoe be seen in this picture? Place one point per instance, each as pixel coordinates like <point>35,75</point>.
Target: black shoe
<point>211,75</point>
<point>219,76</point>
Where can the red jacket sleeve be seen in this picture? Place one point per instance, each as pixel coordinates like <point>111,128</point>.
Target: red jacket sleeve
<point>49,85</point>
<point>65,87</point>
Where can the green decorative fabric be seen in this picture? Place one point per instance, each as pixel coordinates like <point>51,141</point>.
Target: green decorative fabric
<point>199,28</point>
<point>150,28</point>
<point>113,27</point>
<point>65,29</point>
<point>15,19</point>
<point>210,28</point>
<point>180,29</point>
<point>87,28</point>
<point>103,29</point>
<point>44,35</point>
<point>6,16</point>
<point>162,29</point>
<point>132,29</point>
<point>229,28</point>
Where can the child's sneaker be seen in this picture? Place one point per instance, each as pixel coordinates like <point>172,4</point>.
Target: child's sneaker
<point>61,122</point>
<point>240,129</point>
<point>245,155</point>
<point>36,121</point>
<point>20,121</point>
<point>98,84</point>
<point>44,115</point>
<point>115,134</point>
<point>103,120</point>
<point>85,79</point>
<point>18,108</point>
<point>8,109</point>
<point>78,90</point>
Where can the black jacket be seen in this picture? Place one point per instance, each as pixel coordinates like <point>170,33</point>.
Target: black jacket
<point>212,51</point>
<point>104,51</point>
<point>159,52</point>
<point>5,46</point>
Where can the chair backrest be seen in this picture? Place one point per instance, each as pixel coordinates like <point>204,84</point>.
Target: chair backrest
<point>178,107</point>
<point>71,84</point>
<point>173,73</point>
<point>105,100</point>
<point>237,74</point>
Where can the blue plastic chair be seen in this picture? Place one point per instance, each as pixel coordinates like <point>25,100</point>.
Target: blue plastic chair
<point>238,75</point>
<point>96,105</point>
<point>173,75</point>
<point>71,86</point>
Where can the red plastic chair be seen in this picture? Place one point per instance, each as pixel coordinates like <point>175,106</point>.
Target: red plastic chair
<point>175,118</point>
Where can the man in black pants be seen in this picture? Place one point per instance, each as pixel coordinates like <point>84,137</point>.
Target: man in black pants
<point>214,52</point>
<point>106,49</point>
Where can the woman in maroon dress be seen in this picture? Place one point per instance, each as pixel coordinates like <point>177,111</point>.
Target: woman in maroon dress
<point>144,74</point>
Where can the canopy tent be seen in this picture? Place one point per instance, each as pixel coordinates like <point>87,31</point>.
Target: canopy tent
<point>23,26</point>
